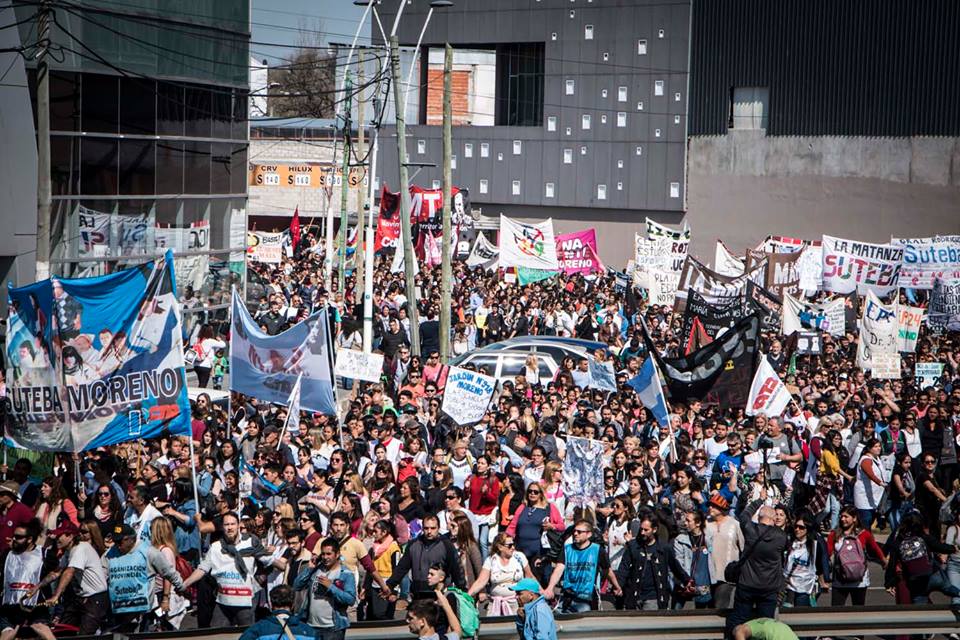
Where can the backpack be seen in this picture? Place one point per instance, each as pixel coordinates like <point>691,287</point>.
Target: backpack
<point>850,561</point>
<point>184,568</point>
<point>467,610</point>
<point>914,557</point>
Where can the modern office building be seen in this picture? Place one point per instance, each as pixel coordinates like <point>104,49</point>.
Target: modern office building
<point>149,139</point>
<point>743,118</point>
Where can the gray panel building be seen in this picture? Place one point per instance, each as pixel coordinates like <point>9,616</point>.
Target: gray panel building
<point>590,117</point>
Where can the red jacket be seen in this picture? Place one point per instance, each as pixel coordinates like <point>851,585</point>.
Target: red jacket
<point>482,494</point>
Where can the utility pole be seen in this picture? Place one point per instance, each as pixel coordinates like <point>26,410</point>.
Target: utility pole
<point>405,227</point>
<point>359,255</point>
<point>445,275</point>
<point>371,234</point>
<point>345,188</point>
<point>44,190</point>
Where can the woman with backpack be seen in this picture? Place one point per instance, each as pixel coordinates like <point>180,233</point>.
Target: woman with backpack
<point>848,546</point>
<point>807,567</point>
<point>912,574</point>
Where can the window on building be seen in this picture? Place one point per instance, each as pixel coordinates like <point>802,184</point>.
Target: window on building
<point>548,190</point>
<point>588,32</point>
<point>674,189</point>
<point>583,150</point>
<point>640,106</point>
<point>658,88</point>
<point>601,192</point>
<point>453,161</point>
<point>568,156</point>
<point>515,187</point>
<point>551,123</point>
<point>570,87</point>
<point>585,121</point>
<point>639,150</point>
<point>436,184</point>
<point>519,90</point>
<point>621,119</point>
<point>621,94</point>
<point>483,185</point>
<point>603,118</point>
<point>468,150</point>
<point>619,186</point>
<point>517,147</point>
<point>656,133</point>
<point>421,147</point>
<point>569,131</point>
<point>676,119</point>
<point>484,149</point>
<point>749,107</point>
<point>603,93</point>
<point>641,47</point>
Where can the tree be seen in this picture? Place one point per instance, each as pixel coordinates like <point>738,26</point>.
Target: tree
<point>304,85</point>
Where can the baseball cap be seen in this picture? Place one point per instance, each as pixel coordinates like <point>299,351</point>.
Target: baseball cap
<point>65,529</point>
<point>527,584</point>
<point>122,531</point>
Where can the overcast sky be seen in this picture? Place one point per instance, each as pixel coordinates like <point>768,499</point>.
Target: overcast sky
<point>280,21</point>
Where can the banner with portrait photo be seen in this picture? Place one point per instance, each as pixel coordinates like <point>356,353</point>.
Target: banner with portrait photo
<point>850,265</point>
<point>530,245</point>
<point>267,367</point>
<point>92,362</point>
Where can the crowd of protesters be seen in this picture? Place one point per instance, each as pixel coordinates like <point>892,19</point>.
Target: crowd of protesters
<point>402,512</point>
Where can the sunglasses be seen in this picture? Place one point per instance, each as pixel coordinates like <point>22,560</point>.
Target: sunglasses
<point>534,493</point>
<point>103,493</point>
<point>509,545</point>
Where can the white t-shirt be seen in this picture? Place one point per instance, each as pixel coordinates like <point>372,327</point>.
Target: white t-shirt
<point>714,449</point>
<point>93,577</point>
<point>143,521</point>
<point>233,590</point>
<point>503,576</point>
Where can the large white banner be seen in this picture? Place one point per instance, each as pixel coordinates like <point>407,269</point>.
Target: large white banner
<point>851,265</point>
<point>768,394</point>
<point>807,316</point>
<point>662,287</point>
<point>359,365</point>
<point>679,242</point>
<point>484,254</point>
<point>926,259</point>
<point>909,320</point>
<point>265,247</point>
<point>725,263</point>
<point>528,245</point>
<point>657,230</point>
<point>878,333</point>
<point>467,395</point>
<point>810,268</point>
<point>650,255</point>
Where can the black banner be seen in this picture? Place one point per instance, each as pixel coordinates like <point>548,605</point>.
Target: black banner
<point>766,304</point>
<point>715,318</point>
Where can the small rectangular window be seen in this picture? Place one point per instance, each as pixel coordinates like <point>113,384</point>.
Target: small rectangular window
<point>548,190</point>
<point>748,108</point>
<point>583,150</point>
<point>674,189</point>
<point>515,187</point>
<point>658,88</point>
<point>483,185</point>
<point>639,150</point>
<point>601,192</point>
<point>570,86</point>
<point>603,118</point>
<point>656,133</point>
<point>468,150</point>
<point>569,131</point>
<point>641,47</point>
<point>621,119</point>
<point>588,32</point>
<point>585,121</point>
<point>484,149</point>
<point>619,164</point>
<point>517,147</point>
<point>453,162</point>
<point>603,93</point>
<point>660,33</point>
<point>421,147</point>
<point>621,94</point>
<point>568,156</point>
<point>640,106</point>
<point>619,186</point>
<point>436,184</point>
<point>676,119</point>
<point>676,97</point>
<point>551,123</point>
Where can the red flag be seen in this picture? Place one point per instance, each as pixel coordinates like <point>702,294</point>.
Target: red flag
<point>295,228</point>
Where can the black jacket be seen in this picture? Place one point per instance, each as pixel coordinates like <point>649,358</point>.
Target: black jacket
<point>763,567</point>
<point>633,564</point>
<point>420,555</point>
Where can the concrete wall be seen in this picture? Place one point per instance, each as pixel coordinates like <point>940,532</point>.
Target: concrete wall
<point>745,185</point>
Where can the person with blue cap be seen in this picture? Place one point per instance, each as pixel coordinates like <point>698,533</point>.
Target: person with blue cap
<point>534,616</point>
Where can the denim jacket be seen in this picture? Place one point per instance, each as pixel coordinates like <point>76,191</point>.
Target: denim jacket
<point>341,597</point>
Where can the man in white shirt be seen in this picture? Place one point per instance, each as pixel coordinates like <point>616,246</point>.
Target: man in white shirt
<point>717,444</point>
<point>89,610</point>
<point>142,512</point>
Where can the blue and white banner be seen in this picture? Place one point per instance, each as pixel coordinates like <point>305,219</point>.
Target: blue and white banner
<point>96,361</point>
<point>583,472</point>
<point>266,367</point>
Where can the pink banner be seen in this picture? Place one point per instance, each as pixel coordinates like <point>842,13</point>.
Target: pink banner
<point>577,252</point>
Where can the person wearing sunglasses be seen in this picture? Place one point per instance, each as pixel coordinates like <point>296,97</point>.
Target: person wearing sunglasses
<point>531,520</point>
<point>20,586</point>
<point>807,565</point>
<point>586,560</point>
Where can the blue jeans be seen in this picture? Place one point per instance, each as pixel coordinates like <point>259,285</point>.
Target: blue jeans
<point>484,540</point>
<point>866,517</point>
<point>749,604</point>
<point>576,606</point>
<point>896,515</point>
<point>952,587</point>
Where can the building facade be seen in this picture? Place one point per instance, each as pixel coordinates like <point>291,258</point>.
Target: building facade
<point>149,141</point>
<point>805,117</point>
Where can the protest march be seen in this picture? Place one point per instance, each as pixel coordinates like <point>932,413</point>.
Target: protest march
<point>769,427</point>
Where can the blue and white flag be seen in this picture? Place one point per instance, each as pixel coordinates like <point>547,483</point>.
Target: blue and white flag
<point>267,367</point>
<point>96,361</point>
<point>647,385</point>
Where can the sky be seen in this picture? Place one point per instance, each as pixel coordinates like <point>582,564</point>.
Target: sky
<point>280,22</point>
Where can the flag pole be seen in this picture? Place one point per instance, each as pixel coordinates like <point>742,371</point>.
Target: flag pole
<point>673,441</point>
<point>286,423</point>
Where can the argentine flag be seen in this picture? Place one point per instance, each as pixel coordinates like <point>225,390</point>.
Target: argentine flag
<point>647,385</point>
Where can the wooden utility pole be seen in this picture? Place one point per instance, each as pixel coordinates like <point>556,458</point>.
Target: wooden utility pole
<point>359,254</point>
<point>345,189</point>
<point>445,274</point>
<point>44,190</point>
<point>405,227</point>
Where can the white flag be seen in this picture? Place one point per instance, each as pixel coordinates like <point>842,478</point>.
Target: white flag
<point>725,263</point>
<point>768,394</point>
<point>528,245</point>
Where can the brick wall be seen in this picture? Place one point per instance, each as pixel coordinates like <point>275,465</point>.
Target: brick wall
<point>460,83</point>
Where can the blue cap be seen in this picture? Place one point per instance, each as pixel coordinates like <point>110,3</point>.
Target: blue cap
<point>527,584</point>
